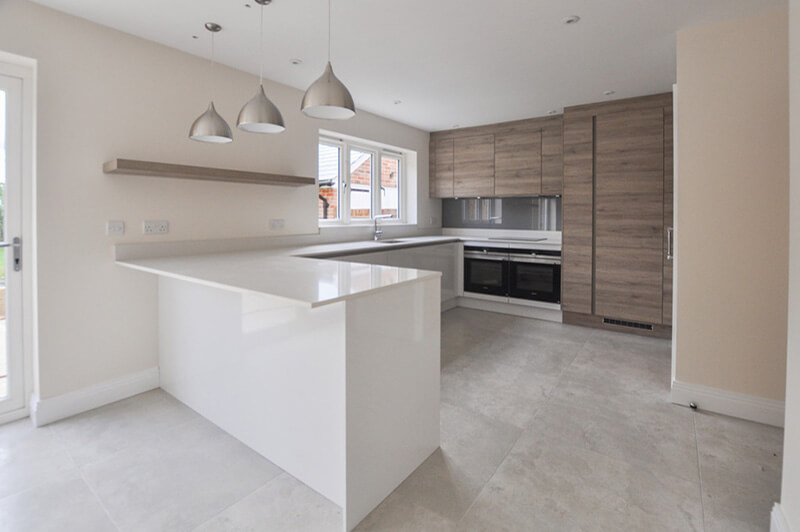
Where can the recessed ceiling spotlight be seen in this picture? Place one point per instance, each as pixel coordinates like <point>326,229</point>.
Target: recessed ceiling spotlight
<point>296,61</point>
<point>247,5</point>
<point>195,37</point>
<point>572,19</point>
<point>552,112</point>
<point>609,93</point>
<point>398,102</point>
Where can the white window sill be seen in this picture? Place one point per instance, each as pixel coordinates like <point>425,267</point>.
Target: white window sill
<point>330,225</point>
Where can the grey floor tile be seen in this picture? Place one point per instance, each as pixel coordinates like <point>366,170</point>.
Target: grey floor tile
<point>498,391</point>
<point>284,503</point>
<point>178,481</point>
<point>29,456</point>
<point>447,483</point>
<point>100,433</point>
<point>555,487</point>
<point>540,329</point>
<point>397,515</point>
<point>646,441</point>
<point>63,504</point>
<point>546,356</point>
<point>740,464</point>
<point>735,451</point>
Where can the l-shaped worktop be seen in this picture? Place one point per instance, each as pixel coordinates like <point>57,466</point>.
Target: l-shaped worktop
<point>302,274</point>
<point>314,275</point>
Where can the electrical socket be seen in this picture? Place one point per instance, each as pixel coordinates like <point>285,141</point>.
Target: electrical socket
<point>155,227</point>
<point>115,228</point>
<point>276,224</point>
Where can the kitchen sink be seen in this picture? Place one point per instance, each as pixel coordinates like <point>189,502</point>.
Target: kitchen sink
<point>395,241</point>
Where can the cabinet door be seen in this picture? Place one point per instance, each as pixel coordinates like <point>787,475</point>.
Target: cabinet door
<point>442,179</point>
<point>552,160</point>
<point>629,214</point>
<point>518,164</point>
<point>669,223</point>
<point>577,218</point>
<point>473,166</point>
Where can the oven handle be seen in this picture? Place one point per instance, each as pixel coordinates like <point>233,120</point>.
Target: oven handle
<point>535,260</point>
<point>485,256</point>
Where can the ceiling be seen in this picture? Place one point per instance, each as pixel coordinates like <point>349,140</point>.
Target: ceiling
<point>449,62</point>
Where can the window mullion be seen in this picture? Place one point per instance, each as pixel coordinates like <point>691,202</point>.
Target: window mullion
<point>346,183</point>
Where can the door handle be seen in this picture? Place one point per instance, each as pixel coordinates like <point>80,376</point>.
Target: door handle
<point>16,244</point>
<point>670,255</point>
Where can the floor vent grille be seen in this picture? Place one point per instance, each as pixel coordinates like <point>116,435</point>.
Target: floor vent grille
<point>631,324</point>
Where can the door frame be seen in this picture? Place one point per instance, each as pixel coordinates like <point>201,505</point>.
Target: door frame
<point>25,69</point>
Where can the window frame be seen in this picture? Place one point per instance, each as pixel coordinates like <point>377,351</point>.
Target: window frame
<point>378,152</point>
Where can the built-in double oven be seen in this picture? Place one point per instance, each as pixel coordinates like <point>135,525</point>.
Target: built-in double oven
<point>531,274</point>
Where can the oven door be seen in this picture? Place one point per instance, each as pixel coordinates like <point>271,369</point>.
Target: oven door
<point>536,281</point>
<point>486,275</point>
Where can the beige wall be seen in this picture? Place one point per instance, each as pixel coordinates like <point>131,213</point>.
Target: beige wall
<point>790,492</point>
<point>732,205</point>
<point>105,94</point>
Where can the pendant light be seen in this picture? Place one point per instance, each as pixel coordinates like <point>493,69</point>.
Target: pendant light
<point>260,115</point>
<point>209,126</point>
<point>327,97</point>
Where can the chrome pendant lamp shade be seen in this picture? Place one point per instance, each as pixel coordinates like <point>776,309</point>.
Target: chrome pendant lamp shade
<point>210,126</point>
<point>327,97</point>
<point>260,115</point>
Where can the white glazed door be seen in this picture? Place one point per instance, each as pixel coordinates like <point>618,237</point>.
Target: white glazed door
<point>12,372</point>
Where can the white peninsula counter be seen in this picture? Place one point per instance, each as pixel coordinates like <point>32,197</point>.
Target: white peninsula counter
<point>329,369</point>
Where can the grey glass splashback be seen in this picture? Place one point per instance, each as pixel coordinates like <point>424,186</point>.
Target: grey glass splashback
<point>538,214</point>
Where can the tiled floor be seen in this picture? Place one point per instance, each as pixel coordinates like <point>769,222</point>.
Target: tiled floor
<point>544,427</point>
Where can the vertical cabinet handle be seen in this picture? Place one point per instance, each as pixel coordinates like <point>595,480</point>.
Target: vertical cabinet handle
<point>670,255</point>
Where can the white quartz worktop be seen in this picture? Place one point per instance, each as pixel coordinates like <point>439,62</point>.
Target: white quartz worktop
<point>308,274</point>
<point>293,273</point>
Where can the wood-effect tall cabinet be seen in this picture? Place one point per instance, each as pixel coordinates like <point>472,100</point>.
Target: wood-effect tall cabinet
<point>617,213</point>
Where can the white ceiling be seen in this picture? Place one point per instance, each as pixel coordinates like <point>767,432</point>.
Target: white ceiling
<point>464,62</point>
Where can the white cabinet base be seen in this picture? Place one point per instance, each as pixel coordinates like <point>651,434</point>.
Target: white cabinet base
<point>344,397</point>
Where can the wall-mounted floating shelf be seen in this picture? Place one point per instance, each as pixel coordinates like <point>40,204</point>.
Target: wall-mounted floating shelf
<point>203,173</point>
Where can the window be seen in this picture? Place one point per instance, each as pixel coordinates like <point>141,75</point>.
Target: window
<point>359,180</point>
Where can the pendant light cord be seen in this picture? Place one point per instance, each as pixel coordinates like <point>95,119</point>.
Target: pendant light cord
<point>211,69</point>
<point>261,50</point>
<point>329,31</point>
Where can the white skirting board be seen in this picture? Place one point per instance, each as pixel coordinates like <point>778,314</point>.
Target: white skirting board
<point>14,415</point>
<point>732,404</point>
<point>44,411</point>
<point>449,304</point>
<point>778,521</point>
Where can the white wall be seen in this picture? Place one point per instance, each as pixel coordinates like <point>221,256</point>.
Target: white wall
<point>790,492</point>
<point>104,94</point>
<point>732,205</point>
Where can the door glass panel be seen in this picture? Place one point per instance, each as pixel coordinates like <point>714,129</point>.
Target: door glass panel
<point>486,273</point>
<point>329,167</point>
<point>361,164</point>
<point>3,348</point>
<point>390,186</point>
<point>534,278</point>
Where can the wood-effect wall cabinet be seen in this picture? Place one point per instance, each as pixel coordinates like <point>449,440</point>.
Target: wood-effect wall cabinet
<point>616,207</point>
<point>473,166</point>
<point>522,158</point>
<point>441,178</point>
